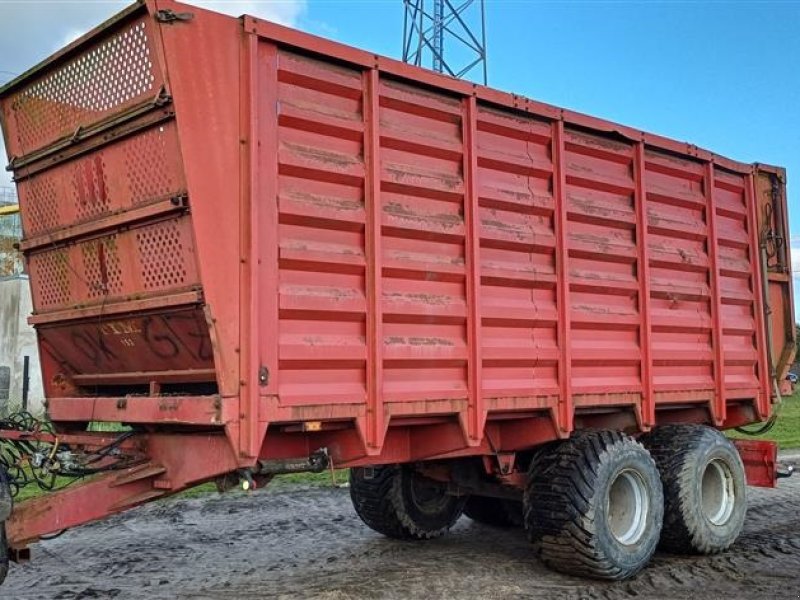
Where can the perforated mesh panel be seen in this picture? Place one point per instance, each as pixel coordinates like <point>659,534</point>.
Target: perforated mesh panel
<point>40,212</point>
<point>114,73</point>
<point>146,160</point>
<point>101,266</point>
<point>161,252</point>
<point>51,272</point>
<point>130,172</point>
<point>89,189</point>
<point>151,258</point>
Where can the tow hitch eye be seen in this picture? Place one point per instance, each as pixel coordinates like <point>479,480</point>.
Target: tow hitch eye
<point>247,484</point>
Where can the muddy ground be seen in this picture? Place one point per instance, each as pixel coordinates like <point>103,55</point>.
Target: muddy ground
<point>293,543</point>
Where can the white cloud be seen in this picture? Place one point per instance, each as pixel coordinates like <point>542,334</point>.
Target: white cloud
<point>794,250</point>
<point>70,36</point>
<point>285,12</point>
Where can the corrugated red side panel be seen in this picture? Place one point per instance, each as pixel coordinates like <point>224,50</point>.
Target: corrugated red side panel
<point>694,282</point>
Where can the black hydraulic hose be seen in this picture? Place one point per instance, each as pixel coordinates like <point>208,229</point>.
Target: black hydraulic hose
<point>770,423</point>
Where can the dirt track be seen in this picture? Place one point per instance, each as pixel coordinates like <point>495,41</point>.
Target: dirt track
<point>309,543</point>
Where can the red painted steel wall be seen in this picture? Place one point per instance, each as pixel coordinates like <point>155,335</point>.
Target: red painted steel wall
<point>364,241</point>
<point>555,226</point>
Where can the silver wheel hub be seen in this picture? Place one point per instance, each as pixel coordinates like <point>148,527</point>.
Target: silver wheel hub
<point>628,506</point>
<point>717,494</point>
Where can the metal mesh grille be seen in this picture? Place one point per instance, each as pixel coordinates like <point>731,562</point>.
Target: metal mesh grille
<point>51,272</point>
<point>130,172</point>
<point>145,161</point>
<point>161,254</point>
<point>152,258</point>
<point>112,74</point>
<point>102,268</point>
<point>89,188</point>
<point>42,205</point>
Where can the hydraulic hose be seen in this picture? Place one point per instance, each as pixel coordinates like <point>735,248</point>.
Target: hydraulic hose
<point>770,423</point>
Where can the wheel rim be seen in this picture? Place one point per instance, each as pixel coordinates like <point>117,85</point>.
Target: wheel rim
<point>717,495</point>
<point>427,498</point>
<point>628,505</point>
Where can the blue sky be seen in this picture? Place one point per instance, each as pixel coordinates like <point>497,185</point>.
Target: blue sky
<point>722,75</point>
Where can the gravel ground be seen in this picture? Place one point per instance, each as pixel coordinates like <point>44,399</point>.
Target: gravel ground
<point>309,543</point>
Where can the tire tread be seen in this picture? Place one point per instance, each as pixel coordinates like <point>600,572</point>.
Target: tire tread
<point>559,511</point>
<point>672,447</point>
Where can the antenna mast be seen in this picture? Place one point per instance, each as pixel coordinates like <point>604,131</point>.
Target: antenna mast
<point>448,36</point>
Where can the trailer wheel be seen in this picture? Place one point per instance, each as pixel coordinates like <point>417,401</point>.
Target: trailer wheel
<point>705,498</point>
<point>399,503</point>
<point>594,505</point>
<point>496,512</point>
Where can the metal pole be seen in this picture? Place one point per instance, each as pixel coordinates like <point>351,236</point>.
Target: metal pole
<point>447,30</point>
<point>438,35</point>
<point>26,381</point>
<point>483,45</point>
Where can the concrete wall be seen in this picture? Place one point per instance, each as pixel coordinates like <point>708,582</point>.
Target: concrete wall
<point>18,339</point>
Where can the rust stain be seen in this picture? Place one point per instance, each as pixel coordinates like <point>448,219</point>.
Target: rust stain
<point>446,220</point>
<point>404,172</point>
<point>342,161</point>
<point>430,299</point>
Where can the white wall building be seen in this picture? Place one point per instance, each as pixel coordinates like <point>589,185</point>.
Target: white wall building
<point>18,340</point>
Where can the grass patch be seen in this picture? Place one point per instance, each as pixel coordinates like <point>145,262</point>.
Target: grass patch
<point>280,482</point>
<point>787,428</point>
<point>107,426</point>
<point>34,491</point>
<point>312,479</point>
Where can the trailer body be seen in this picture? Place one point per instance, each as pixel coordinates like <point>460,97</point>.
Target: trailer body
<point>255,244</point>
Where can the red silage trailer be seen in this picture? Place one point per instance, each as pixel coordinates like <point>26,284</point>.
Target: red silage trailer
<point>265,252</point>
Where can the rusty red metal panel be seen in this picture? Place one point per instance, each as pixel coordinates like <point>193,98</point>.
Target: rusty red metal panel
<point>119,490</point>
<point>561,258</point>
<point>643,275</point>
<point>321,242</point>
<point>175,410</point>
<point>719,406</point>
<point>202,60</point>
<point>760,458</point>
<point>757,285</point>
<point>604,318</point>
<point>109,76</point>
<point>373,233</point>
<point>267,221</point>
<point>141,345</point>
<point>681,340</point>
<point>251,204</point>
<point>519,318</point>
<point>153,258</point>
<point>476,413</point>
<point>132,172</point>
<point>738,295</point>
